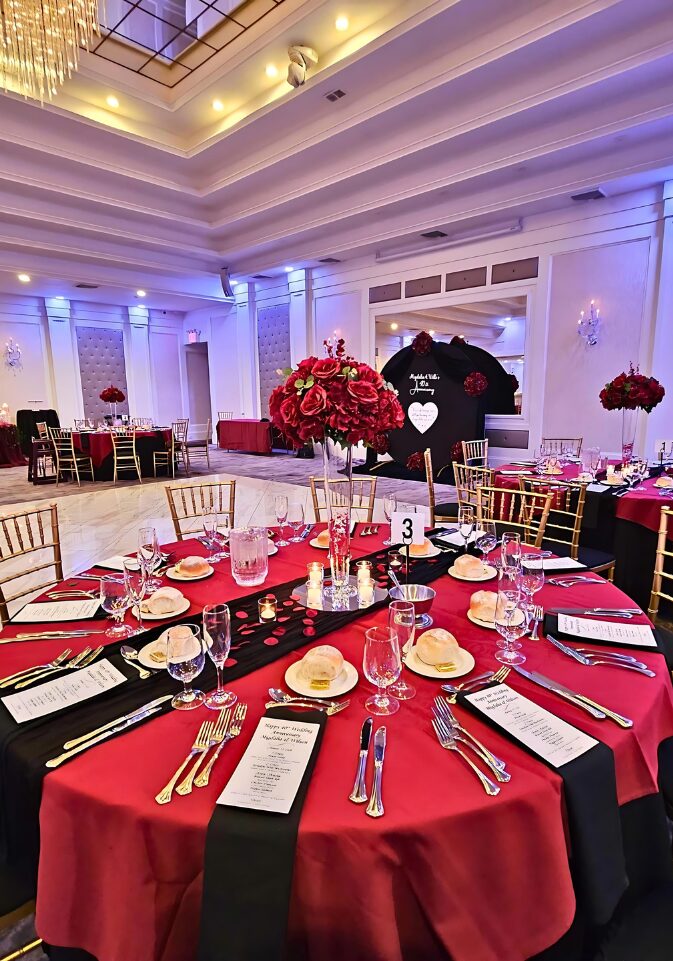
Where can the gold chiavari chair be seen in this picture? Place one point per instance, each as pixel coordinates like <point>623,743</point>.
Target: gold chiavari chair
<point>662,581</point>
<point>198,441</point>
<point>363,495</point>
<point>475,452</point>
<point>557,445</point>
<point>166,457</point>
<point>180,431</point>
<point>467,479</point>
<point>438,512</point>
<point>23,535</point>
<point>68,460</point>
<point>82,423</point>
<point>143,422</point>
<point>125,452</point>
<point>516,510</point>
<point>190,501</point>
<point>225,415</point>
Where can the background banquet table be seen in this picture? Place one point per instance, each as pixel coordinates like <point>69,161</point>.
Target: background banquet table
<point>439,875</point>
<point>246,434</point>
<point>10,448</point>
<point>98,446</point>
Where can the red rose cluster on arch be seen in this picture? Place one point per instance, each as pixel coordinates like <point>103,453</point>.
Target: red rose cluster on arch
<point>632,390</point>
<point>475,384</point>
<point>338,397</point>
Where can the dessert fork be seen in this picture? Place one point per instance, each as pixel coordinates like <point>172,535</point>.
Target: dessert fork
<point>201,744</point>
<point>234,731</point>
<point>80,660</point>
<point>7,681</point>
<point>448,742</point>
<point>469,687</point>
<point>219,729</point>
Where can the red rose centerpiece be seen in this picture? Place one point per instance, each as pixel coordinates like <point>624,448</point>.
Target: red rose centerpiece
<point>112,395</point>
<point>475,384</point>
<point>630,392</point>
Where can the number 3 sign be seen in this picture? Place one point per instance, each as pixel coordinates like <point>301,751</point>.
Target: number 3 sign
<point>407,528</point>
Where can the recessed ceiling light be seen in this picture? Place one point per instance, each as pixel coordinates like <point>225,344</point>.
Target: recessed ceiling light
<point>59,297</point>
<point>218,105</point>
<point>341,23</point>
<point>234,283</point>
<point>271,70</point>
<point>141,293</point>
<point>432,333</point>
<point>288,270</point>
<point>24,278</point>
<point>112,101</point>
<point>394,326</point>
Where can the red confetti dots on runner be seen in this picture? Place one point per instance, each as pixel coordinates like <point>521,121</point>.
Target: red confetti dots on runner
<point>288,603</point>
<point>270,641</point>
<point>310,612</point>
<point>309,631</point>
<point>283,617</point>
<point>278,631</point>
<point>230,662</point>
<point>246,630</point>
<point>242,614</point>
<point>381,567</point>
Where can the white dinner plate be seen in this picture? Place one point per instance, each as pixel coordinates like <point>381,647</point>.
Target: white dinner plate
<point>180,609</point>
<point>491,624</point>
<point>488,575</point>
<point>433,551</point>
<point>272,549</point>
<point>158,644</point>
<point>552,473</point>
<point>345,681</point>
<point>616,482</point>
<point>321,547</point>
<point>665,486</point>
<point>464,663</point>
<point>175,576</point>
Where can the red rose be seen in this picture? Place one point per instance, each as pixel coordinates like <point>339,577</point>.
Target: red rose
<point>416,461</point>
<point>380,443</point>
<point>363,392</point>
<point>368,374</point>
<point>314,401</point>
<point>422,343</point>
<point>289,411</point>
<point>326,368</point>
<point>457,452</point>
<point>475,384</point>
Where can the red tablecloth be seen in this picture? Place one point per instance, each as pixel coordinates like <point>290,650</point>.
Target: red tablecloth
<point>447,870</point>
<point>245,434</point>
<point>98,444</point>
<point>640,507</point>
<point>10,449</point>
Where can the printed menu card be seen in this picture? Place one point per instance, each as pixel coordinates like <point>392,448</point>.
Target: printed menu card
<point>269,774</point>
<point>614,632</point>
<point>45,611</point>
<point>548,736</point>
<point>63,691</point>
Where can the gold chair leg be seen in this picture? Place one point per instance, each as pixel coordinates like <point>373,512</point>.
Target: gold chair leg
<point>22,952</point>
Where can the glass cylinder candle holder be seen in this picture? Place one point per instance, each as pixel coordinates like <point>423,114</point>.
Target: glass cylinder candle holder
<point>366,592</point>
<point>267,607</point>
<point>364,571</point>
<point>314,596</point>
<point>395,561</point>
<point>315,572</point>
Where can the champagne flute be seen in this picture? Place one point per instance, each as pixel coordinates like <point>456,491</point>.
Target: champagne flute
<point>402,620</point>
<point>465,523</point>
<point>217,637</point>
<point>510,621</point>
<point>382,666</point>
<point>185,660</point>
<point>135,580</point>
<point>210,532</point>
<point>149,555</point>
<point>295,518</point>
<point>281,506</point>
<point>389,508</point>
<point>531,581</point>
<point>487,539</point>
<point>510,551</point>
<point>115,600</point>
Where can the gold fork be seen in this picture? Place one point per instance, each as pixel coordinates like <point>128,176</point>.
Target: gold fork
<point>234,731</point>
<point>201,743</point>
<point>74,662</point>
<point>216,737</point>
<point>497,678</point>
<point>62,595</point>
<point>19,675</point>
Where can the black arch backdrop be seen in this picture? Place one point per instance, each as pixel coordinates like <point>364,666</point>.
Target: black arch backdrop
<point>446,391</point>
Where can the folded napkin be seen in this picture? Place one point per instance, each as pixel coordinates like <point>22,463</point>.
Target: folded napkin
<point>515,473</point>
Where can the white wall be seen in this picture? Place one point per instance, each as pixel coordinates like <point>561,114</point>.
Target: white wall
<point>23,320</point>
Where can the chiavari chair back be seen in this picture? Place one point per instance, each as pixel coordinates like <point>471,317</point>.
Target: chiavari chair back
<point>468,479</point>
<point>180,432</point>
<point>30,546</point>
<point>166,457</point>
<point>125,452</point>
<point>363,493</point>
<point>475,452</point>
<point>142,422</point>
<point>198,442</point>
<point>662,581</point>
<point>225,415</point>
<point>189,502</point>
<point>560,445</point>
<point>438,512</point>
<point>83,423</point>
<point>68,460</point>
<point>517,510</point>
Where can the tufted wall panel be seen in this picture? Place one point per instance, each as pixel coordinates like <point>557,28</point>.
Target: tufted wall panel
<point>273,345</point>
<point>101,363</point>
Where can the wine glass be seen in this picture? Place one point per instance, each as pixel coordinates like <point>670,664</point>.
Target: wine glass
<point>135,580</point>
<point>222,533</point>
<point>382,666</point>
<point>280,507</point>
<point>510,621</point>
<point>465,523</point>
<point>217,637</point>
<point>211,533</point>
<point>510,551</point>
<point>389,508</point>
<point>185,660</point>
<point>295,518</point>
<point>487,538</point>
<point>115,600</point>
<point>402,620</point>
<point>149,555</point>
<point>531,581</point>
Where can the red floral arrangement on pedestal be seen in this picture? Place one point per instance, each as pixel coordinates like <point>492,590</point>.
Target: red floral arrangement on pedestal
<point>422,343</point>
<point>457,452</point>
<point>475,384</point>
<point>336,397</point>
<point>416,461</point>
<point>632,391</point>
<point>112,395</point>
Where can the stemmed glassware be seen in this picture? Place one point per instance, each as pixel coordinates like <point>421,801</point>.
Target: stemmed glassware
<point>217,637</point>
<point>487,538</point>
<point>510,551</point>
<point>185,660</point>
<point>465,523</point>
<point>115,600</point>
<point>531,581</point>
<point>216,529</point>
<point>295,519</point>
<point>510,620</point>
<point>382,666</point>
<point>594,458</point>
<point>402,620</point>
<point>135,580</point>
<point>389,508</point>
<point>149,555</point>
<point>281,506</point>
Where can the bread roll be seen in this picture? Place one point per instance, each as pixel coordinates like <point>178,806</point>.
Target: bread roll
<point>192,567</point>
<point>323,539</point>
<point>438,648</point>
<point>664,481</point>
<point>321,665</point>
<point>164,601</point>
<point>468,566</point>
<point>482,605</point>
<point>420,550</point>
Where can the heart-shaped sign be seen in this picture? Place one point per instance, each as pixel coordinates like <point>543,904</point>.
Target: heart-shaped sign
<point>422,416</point>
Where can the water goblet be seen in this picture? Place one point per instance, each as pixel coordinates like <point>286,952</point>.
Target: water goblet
<point>295,519</point>
<point>217,637</point>
<point>382,666</point>
<point>465,523</point>
<point>115,600</point>
<point>185,660</point>
<point>487,538</point>
<point>531,581</point>
<point>281,506</point>
<point>510,551</point>
<point>510,621</point>
<point>402,620</point>
<point>149,555</point>
<point>210,533</point>
<point>135,580</point>
<point>389,508</point>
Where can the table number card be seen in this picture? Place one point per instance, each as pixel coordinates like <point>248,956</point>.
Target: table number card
<point>269,774</point>
<point>612,632</point>
<point>407,528</point>
<point>64,691</point>
<point>548,736</point>
<point>45,611</point>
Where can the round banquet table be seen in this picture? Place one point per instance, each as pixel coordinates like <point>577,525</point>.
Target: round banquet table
<point>447,872</point>
<point>98,446</point>
<point>10,448</point>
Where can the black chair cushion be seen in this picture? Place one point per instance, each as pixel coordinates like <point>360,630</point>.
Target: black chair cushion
<point>446,510</point>
<point>588,556</point>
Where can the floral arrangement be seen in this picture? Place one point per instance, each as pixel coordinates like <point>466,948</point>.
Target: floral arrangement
<point>632,391</point>
<point>457,452</point>
<point>337,397</point>
<point>422,343</point>
<point>112,395</point>
<point>475,384</point>
<point>416,461</point>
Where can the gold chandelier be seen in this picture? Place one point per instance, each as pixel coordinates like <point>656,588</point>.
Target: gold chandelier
<point>40,43</point>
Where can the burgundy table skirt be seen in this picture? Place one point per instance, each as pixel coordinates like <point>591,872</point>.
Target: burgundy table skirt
<point>98,446</point>
<point>10,449</point>
<point>447,872</point>
<point>253,436</point>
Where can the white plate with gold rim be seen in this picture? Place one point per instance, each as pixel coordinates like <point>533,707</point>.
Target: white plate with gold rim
<point>491,624</point>
<point>174,575</point>
<point>665,483</point>
<point>180,609</point>
<point>432,551</point>
<point>462,664</point>
<point>157,647</point>
<point>613,482</point>
<point>321,547</point>
<point>343,682</point>
<point>488,575</point>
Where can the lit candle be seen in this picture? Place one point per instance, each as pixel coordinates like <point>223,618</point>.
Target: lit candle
<point>267,608</point>
<point>366,592</point>
<point>364,571</point>
<point>314,597</point>
<point>316,572</point>
<point>610,470</point>
<point>395,560</point>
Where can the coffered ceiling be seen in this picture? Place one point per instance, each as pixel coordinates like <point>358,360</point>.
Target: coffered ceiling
<point>455,115</point>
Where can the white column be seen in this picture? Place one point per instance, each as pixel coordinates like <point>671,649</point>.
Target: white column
<point>299,286</point>
<point>660,421</point>
<point>65,375</point>
<point>246,331</point>
<point>137,350</point>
